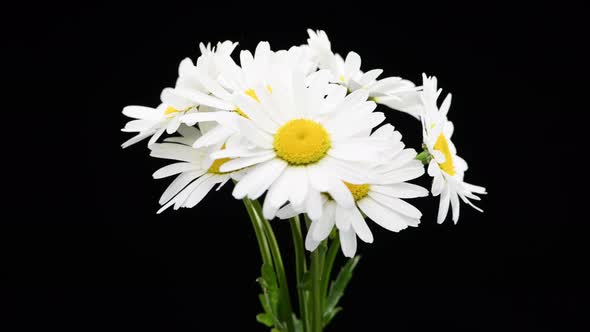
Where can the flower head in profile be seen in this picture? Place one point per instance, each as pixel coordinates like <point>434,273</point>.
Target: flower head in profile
<point>393,92</point>
<point>153,122</point>
<point>380,199</point>
<point>444,165</point>
<point>197,174</point>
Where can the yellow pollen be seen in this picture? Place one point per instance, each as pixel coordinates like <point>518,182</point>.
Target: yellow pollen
<point>342,78</point>
<point>252,93</point>
<point>170,110</point>
<point>216,164</point>
<point>358,191</point>
<point>301,142</point>
<point>442,145</point>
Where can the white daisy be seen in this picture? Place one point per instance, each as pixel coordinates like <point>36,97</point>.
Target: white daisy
<point>394,92</point>
<point>184,98</point>
<point>197,172</point>
<point>301,142</point>
<point>445,166</point>
<point>153,122</point>
<point>380,199</point>
<point>254,70</point>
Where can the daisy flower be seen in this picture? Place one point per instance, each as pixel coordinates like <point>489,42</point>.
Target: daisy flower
<point>444,165</point>
<point>393,92</point>
<point>299,142</point>
<point>197,172</point>
<point>239,80</point>
<point>380,199</point>
<point>153,122</point>
<point>181,100</point>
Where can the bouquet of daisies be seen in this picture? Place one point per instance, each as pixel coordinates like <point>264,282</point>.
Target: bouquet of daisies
<point>297,134</point>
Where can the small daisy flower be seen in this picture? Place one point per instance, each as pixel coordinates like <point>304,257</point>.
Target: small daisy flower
<point>197,172</point>
<point>299,142</point>
<point>153,122</point>
<point>444,165</point>
<point>393,92</point>
<point>380,199</point>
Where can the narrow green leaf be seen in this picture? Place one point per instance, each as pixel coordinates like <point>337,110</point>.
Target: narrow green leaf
<point>329,315</point>
<point>265,319</point>
<point>297,324</point>
<point>339,285</point>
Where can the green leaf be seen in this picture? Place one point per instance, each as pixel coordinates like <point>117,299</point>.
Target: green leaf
<point>297,324</point>
<point>265,319</point>
<point>338,287</point>
<point>269,297</point>
<point>329,315</point>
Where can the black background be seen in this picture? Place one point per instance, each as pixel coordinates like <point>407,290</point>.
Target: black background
<point>86,251</point>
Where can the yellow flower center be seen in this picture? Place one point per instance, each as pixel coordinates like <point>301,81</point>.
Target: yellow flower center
<point>170,110</point>
<point>301,142</point>
<point>442,145</point>
<point>216,164</point>
<point>358,191</point>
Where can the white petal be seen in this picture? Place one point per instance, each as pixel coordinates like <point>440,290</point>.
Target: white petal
<point>156,135</point>
<point>255,135</point>
<point>243,162</point>
<point>455,206</point>
<point>348,242</point>
<point>261,176</point>
<point>352,64</point>
<point>401,190</point>
<point>383,216</point>
<point>137,138</point>
<point>300,186</point>
<point>313,204</point>
<point>433,168</point>
<point>438,184</point>
<point>141,112</point>
<point>360,226</point>
<point>310,243</point>
<point>343,216</point>
<point>201,191</point>
<point>173,169</point>
<point>218,134</point>
<point>397,205</point>
<point>178,184</point>
<point>326,222</point>
<point>443,207</point>
<point>286,212</point>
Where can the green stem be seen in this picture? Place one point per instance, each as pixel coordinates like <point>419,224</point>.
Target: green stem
<point>300,268</point>
<point>285,309</point>
<point>259,231</point>
<point>329,264</point>
<point>316,270</point>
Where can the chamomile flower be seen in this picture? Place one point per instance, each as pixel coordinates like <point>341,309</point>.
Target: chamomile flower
<point>393,92</point>
<point>153,122</point>
<point>444,165</point>
<point>197,173</point>
<point>233,80</point>
<point>299,142</point>
<point>380,199</point>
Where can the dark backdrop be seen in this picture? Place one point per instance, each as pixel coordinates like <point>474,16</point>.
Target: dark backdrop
<point>86,251</point>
